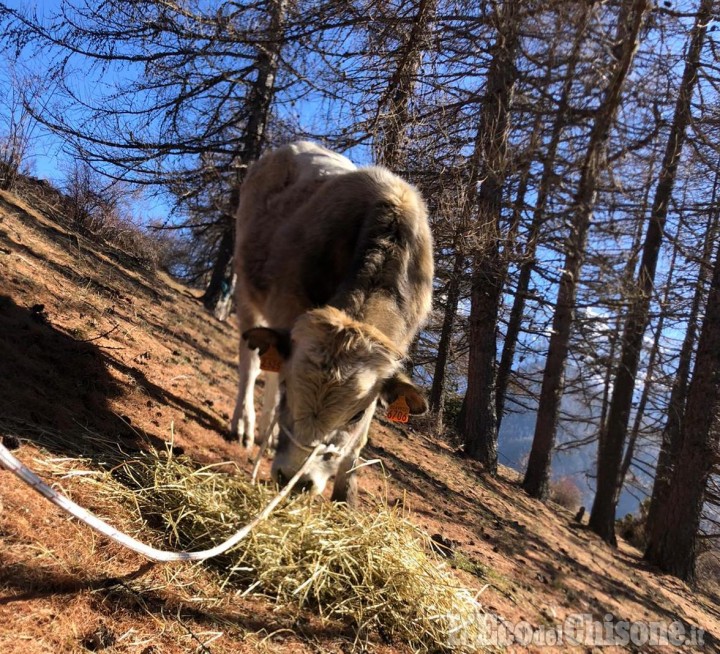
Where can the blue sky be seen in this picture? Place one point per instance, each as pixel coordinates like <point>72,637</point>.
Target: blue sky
<point>49,157</point>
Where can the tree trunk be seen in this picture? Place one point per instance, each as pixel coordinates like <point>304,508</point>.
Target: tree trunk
<point>401,86</point>
<point>629,272</point>
<point>649,377</point>
<point>614,338</point>
<point>258,107</point>
<point>602,516</point>
<point>479,425</point>
<point>8,174</point>
<point>397,103</point>
<point>538,471</point>
<point>225,303</point>
<point>544,188</point>
<point>672,541</point>
<point>221,268</point>
<point>437,391</point>
<point>672,434</point>
<point>510,243</point>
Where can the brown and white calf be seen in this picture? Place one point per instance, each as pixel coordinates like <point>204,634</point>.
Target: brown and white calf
<point>335,268</point>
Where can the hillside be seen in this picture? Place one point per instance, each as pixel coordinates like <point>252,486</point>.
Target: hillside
<point>93,343</point>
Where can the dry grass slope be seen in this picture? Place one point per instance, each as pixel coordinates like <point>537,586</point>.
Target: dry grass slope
<point>103,362</point>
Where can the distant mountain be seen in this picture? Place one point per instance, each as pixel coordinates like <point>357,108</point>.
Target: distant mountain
<point>515,441</point>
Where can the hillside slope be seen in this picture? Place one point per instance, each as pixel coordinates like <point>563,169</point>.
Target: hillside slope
<point>92,343</point>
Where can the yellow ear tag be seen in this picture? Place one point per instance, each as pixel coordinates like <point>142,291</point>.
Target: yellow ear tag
<point>399,411</point>
<point>271,361</point>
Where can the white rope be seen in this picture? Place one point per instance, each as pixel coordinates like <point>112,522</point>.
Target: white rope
<point>8,461</point>
<point>296,442</point>
<point>365,462</point>
<point>329,448</point>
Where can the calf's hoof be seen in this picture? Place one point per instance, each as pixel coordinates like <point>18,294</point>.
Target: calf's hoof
<point>231,436</point>
<point>346,496</point>
<point>248,442</point>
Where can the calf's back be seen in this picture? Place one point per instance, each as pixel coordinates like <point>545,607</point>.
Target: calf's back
<point>315,231</point>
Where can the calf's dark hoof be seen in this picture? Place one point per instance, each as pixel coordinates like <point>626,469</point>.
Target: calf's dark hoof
<point>231,436</point>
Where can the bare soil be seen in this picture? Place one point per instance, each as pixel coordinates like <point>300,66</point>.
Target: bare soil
<point>91,342</point>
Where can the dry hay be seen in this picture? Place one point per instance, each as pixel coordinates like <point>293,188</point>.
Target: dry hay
<point>372,570</point>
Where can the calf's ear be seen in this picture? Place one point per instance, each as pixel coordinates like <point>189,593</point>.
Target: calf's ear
<point>400,386</point>
<point>264,339</point>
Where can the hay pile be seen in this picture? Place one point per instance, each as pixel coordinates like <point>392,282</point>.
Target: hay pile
<point>372,569</point>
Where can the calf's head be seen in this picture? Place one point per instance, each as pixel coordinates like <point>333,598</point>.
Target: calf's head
<point>334,370</point>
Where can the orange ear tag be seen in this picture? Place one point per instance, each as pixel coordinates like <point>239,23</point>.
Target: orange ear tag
<point>271,361</point>
<point>398,411</point>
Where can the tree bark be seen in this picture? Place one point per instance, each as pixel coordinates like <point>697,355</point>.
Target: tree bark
<point>672,433</point>
<point>401,86</point>
<point>544,188</point>
<point>397,103</point>
<point>479,423</point>
<point>437,391</point>
<point>259,104</point>
<point>537,475</point>
<point>614,339</point>
<point>221,267</point>
<point>649,377</point>
<point>602,516</point>
<point>672,541</point>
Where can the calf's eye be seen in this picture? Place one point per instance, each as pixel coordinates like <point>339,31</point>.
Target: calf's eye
<point>357,417</point>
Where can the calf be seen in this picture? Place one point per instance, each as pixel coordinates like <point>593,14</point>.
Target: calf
<point>334,279</point>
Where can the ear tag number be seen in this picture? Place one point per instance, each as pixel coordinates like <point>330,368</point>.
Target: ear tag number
<point>399,411</point>
<point>271,361</point>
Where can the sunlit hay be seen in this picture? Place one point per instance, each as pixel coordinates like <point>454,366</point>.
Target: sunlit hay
<point>373,569</point>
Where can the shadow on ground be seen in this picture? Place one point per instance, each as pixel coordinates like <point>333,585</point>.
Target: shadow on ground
<point>56,390</point>
<point>516,542</point>
<point>118,593</point>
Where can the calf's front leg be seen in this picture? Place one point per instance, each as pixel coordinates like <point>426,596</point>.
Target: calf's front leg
<point>242,427</point>
<point>270,402</point>
<point>345,487</point>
